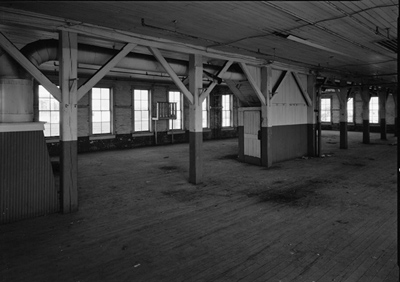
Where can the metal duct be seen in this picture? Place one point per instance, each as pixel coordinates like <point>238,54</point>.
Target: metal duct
<point>46,50</point>
<point>9,68</point>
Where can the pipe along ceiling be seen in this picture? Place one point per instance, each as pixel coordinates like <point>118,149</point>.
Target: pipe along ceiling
<point>43,51</point>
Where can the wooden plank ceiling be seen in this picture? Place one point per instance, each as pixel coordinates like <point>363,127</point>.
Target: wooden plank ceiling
<point>337,36</point>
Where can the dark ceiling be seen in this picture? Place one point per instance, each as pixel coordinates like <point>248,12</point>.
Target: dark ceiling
<point>357,39</point>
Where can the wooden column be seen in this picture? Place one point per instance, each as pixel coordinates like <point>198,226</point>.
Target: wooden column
<point>382,94</point>
<point>68,121</point>
<point>195,119</point>
<point>311,117</point>
<point>365,96</point>
<point>266,126</point>
<point>319,129</point>
<point>342,96</point>
<point>394,94</point>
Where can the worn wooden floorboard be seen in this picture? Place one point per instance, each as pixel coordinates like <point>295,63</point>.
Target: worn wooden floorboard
<point>380,260</point>
<point>343,254</point>
<point>317,219</point>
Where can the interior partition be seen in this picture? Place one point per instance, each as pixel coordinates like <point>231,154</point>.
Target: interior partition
<point>289,118</point>
<point>27,185</point>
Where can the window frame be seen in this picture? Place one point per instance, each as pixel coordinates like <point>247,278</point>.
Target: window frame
<point>51,99</point>
<point>370,109</point>
<point>206,111</point>
<point>149,105</point>
<point>352,110</point>
<point>230,111</point>
<point>179,108</point>
<point>111,101</point>
<point>330,109</point>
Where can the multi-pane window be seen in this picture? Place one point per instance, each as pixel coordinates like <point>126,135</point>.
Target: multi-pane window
<point>101,110</point>
<point>205,110</point>
<point>325,109</point>
<point>176,97</point>
<point>374,110</point>
<point>49,112</point>
<point>226,110</point>
<point>141,108</point>
<point>350,110</point>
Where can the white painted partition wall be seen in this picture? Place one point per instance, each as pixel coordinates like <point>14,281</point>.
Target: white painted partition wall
<point>252,126</point>
<point>287,105</point>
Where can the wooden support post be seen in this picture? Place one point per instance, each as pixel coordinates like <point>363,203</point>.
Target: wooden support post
<point>365,96</point>
<point>195,119</point>
<point>318,120</point>
<point>319,139</point>
<point>311,117</point>
<point>342,96</point>
<point>68,121</point>
<point>266,126</point>
<point>382,95</point>
<point>394,94</point>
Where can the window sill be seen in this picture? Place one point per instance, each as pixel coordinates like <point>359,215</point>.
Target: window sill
<point>52,140</point>
<point>227,128</point>
<point>142,134</point>
<point>177,131</point>
<point>207,129</point>
<point>100,137</point>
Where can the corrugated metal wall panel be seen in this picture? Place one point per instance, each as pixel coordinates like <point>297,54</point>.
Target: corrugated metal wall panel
<point>27,185</point>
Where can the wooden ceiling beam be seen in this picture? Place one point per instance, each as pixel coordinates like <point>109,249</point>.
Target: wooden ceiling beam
<point>124,36</point>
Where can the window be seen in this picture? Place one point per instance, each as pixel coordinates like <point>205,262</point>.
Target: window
<point>374,110</point>
<point>325,109</point>
<point>205,110</point>
<point>141,108</point>
<point>350,110</point>
<point>101,110</point>
<point>176,97</point>
<point>49,112</point>
<point>226,110</point>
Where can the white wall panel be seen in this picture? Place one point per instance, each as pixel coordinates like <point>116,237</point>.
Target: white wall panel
<point>288,104</point>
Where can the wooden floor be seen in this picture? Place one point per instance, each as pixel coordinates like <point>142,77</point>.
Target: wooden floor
<point>332,218</point>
